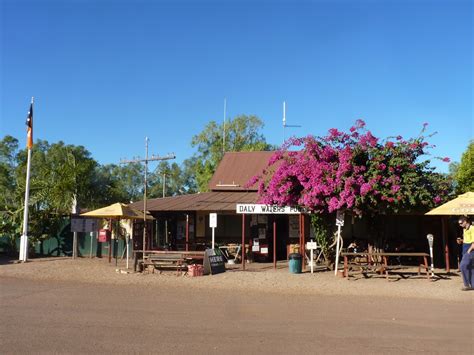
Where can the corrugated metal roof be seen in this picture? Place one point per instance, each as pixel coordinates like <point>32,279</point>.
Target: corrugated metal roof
<point>237,168</point>
<point>205,201</point>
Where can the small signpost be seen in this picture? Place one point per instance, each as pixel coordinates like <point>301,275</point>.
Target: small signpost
<point>311,246</point>
<point>213,225</point>
<point>214,262</point>
<point>339,224</point>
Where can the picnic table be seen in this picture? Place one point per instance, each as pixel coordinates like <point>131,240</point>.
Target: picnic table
<point>379,262</point>
<point>166,259</point>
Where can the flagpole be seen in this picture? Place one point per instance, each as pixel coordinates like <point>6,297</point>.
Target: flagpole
<point>24,237</point>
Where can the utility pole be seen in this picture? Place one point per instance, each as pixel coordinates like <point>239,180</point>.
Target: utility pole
<point>146,160</point>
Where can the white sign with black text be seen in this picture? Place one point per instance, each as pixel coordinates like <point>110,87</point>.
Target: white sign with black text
<point>340,218</point>
<point>213,225</point>
<point>213,220</point>
<point>249,208</point>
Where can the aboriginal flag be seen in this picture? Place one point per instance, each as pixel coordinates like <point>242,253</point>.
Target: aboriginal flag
<point>29,128</point>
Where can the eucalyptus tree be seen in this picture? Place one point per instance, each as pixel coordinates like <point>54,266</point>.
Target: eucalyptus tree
<point>121,183</point>
<point>171,179</point>
<point>241,133</point>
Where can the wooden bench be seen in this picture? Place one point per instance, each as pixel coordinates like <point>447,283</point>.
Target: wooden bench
<point>378,262</point>
<point>161,262</point>
<point>163,259</point>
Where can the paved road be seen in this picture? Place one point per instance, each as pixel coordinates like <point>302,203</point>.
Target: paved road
<point>52,317</point>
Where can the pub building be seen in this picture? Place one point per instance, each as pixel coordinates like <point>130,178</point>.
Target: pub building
<point>182,222</point>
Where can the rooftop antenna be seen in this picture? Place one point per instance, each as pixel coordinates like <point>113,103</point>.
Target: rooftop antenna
<point>284,122</point>
<point>223,136</point>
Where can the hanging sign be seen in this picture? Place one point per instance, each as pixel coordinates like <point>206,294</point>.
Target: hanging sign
<point>214,262</point>
<point>340,218</point>
<point>213,220</point>
<point>213,225</point>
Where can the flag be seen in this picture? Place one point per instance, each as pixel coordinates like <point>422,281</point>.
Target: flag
<point>29,129</point>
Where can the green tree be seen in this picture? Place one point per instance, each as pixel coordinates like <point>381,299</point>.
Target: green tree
<point>188,176</point>
<point>59,173</point>
<point>122,183</point>
<point>242,133</point>
<point>10,208</point>
<point>465,171</point>
<point>178,180</point>
<point>452,172</point>
<point>8,151</point>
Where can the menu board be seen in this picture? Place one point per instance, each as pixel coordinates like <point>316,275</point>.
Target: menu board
<point>214,262</point>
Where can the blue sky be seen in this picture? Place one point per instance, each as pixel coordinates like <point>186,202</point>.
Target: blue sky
<point>105,74</point>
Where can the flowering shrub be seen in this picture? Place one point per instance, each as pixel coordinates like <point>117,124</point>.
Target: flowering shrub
<point>354,171</point>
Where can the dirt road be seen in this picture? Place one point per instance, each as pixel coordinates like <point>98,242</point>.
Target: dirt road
<point>69,317</point>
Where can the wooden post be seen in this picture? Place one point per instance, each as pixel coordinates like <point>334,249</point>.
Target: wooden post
<point>110,241</point>
<point>303,242</point>
<point>427,268</point>
<point>243,241</point>
<point>346,267</point>
<point>299,219</point>
<point>444,227</point>
<point>187,232</point>
<point>274,244</point>
<point>116,242</point>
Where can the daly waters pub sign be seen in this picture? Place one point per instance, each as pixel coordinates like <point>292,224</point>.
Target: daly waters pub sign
<point>249,208</point>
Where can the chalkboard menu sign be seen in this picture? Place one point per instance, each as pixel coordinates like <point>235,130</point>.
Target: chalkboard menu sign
<point>214,262</point>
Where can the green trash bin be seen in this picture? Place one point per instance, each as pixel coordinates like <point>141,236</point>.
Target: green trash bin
<point>295,263</point>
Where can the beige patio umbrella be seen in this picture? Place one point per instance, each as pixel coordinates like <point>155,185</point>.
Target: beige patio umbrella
<point>117,211</point>
<point>461,205</point>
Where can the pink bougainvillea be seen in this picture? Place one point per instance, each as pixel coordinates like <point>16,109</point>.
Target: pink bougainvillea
<point>353,170</point>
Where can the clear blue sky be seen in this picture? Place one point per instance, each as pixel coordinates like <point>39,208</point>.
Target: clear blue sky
<point>105,74</point>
